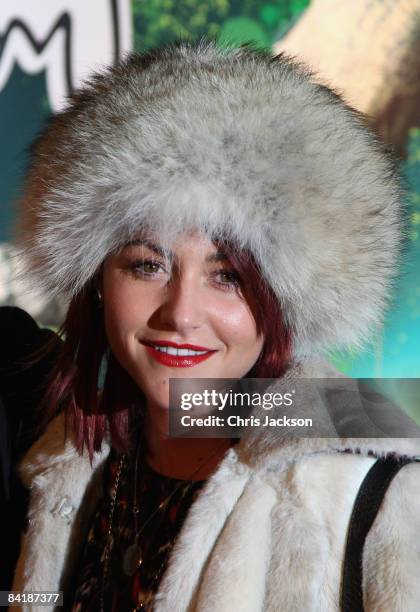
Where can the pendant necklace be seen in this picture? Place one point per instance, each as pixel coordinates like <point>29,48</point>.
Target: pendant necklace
<point>133,556</point>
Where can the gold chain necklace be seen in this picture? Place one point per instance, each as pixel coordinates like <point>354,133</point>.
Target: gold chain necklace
<point>133,556</point>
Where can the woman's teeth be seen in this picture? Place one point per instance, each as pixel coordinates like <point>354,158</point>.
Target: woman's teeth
<point>180,352</point>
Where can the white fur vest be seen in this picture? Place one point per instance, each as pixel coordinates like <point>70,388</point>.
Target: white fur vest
<point>266,533</point>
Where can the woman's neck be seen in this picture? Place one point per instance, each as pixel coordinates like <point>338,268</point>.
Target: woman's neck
<point>182,458</point>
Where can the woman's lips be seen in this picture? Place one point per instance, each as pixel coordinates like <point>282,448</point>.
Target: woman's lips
<point>177,361</point>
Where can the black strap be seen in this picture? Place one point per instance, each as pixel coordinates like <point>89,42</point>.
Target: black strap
<point>368,501</point>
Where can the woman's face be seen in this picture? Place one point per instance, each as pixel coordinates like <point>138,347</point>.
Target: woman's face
<point>152,312</point>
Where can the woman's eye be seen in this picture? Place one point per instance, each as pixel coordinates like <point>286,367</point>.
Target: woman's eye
<point>227,279</point>
<point>146,267</point>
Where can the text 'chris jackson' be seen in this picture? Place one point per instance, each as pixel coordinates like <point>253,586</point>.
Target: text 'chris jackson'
<point>235,420</point>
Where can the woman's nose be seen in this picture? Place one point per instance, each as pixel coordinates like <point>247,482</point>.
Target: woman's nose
<point>183,308</point>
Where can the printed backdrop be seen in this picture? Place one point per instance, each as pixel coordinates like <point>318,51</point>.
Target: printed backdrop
<point>47,48</point>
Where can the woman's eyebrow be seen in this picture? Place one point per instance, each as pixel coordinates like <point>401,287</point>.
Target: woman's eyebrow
<point>215,257</point>
<point>150,245</point>
<point>212,258</point>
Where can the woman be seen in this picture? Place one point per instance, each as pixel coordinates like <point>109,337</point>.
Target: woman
<point>210,214</point>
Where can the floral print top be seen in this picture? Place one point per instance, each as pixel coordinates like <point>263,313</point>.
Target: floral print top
<point>116,591</point>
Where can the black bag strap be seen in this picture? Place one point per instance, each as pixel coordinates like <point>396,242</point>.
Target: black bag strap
<point>366,506</point>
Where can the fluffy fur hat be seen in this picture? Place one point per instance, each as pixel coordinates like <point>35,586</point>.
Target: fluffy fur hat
<point>237,144</point>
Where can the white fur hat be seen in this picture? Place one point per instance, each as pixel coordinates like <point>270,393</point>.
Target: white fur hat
<point>237,144</point>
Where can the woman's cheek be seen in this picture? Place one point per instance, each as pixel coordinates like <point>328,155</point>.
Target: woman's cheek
<point>238,324</point>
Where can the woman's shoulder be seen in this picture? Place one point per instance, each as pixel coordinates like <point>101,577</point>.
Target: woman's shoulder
<point>391,548</point>
<point>54,456</point>
<point>322,489</point>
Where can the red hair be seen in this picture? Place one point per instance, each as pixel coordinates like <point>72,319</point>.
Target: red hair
<point>73,383</point>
